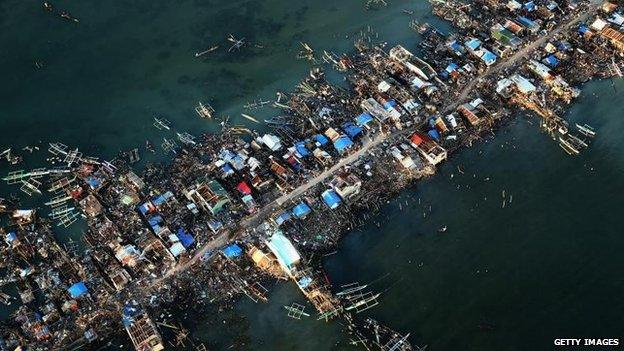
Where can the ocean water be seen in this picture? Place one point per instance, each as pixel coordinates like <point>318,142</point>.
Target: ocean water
<point>546,266</point>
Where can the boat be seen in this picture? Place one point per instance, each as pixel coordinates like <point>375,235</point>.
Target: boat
<point>408,12</point>
<point>207,51</point>
<point>204,111</point>
<point>5,298</point>
<point>161,123</point>
<point>567,147</point>
<point>442,229</point>
<point>186,138</point>
<point>586,130</point>
<point>253,119</point>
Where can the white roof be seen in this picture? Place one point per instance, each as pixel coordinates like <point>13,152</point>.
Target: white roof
<point>177,249</point>
<point>383,86</point>
<point>598,24</point>
<point>272,142</point>
<point>284,251</point>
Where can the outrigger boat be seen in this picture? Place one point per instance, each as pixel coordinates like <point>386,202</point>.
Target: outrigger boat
<point>586,130</point>
<point>204,111</point>
<point>162,123</point>
<point>186,138</point>
<point>5,298</point>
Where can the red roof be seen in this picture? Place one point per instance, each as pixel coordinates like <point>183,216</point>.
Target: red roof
<point>416,139</point>
<point>243,188</point>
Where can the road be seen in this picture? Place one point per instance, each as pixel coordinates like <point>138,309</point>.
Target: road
<point>522,53</point>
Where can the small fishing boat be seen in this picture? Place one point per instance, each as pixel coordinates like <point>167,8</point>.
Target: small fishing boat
<point>586,130</point>
<point>207,51</point>
<point>442,229</point>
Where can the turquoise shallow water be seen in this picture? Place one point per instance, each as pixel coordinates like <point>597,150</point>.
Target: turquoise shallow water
<point>545,266</point>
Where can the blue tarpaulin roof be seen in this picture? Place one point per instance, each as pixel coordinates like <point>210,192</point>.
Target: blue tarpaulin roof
<point>551,61</point>
<point>301,210</point>
<point>388,105</point>
<point>451,67</point>
<point>144,208</point>
<point>155,220</point>
<point>363,119</point>
<point>159,200</point>
<point>434,134</point>
<point>331,198</point>
<point>351,129</point>
<point>129,312</point>
<point>77,290</point>
<point>473,44</point>
<point>301,149</point>
<point>321,139</point>
<point>456,47</point>
<point>564,46</point>
<point>283,217</point>
<point>93,182</point>
<point>530,6</point>
<point>227,169</point>
<point>232,251</point>
<point>583,29</point>
<point>343,143</point>
<point>526,22</point>
<point>305,282</point>
<point>488,57</point>
<point>11,236</point>
<point>185,238</point>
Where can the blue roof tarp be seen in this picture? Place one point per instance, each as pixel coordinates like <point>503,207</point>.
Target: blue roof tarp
<point>185,238</point>
<point>93,182</point>
<point>432,121</point>
<point>232,251</point>
<point>434,134</point>
<point>331,198</point>
<point>283,217</point>
<point>145,208</point>
<point>583,29</point>
<point>451,67</point>
<point>363,119</point>
<point>530,6</point>
<point>301,210</point>
<point>343,143</point>
<point>564,46</point>
<point>159,200</point>
<point>473,44</point>
<point>488,57</point>
<point>551,61</point>
<point>351,129</point>
<point>304,282</point>
<point>155,220</point>
<point>129,312</point>
<point>301,149</point>
<point>10,237</point>
<point>321,139</point>
<point>526,22</point>
<point>77,290</point>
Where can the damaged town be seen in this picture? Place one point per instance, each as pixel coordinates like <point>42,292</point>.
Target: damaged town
<point>236,211</point>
